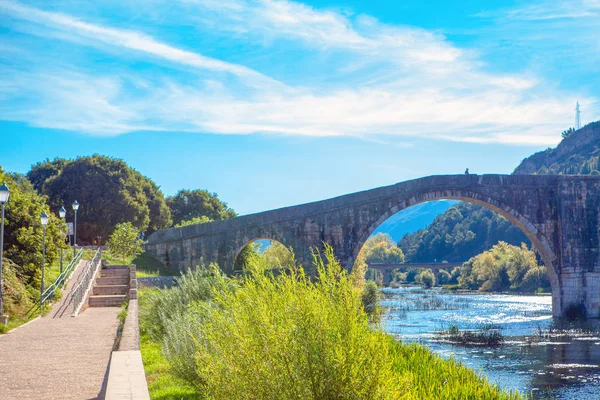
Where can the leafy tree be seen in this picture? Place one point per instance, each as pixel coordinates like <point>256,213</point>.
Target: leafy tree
<point>443,277</point>
<point>273,255</point>
<point>504,267</point>
<point>194,221</point>
<point>426,278</point>
<point>381,248</point>
<point>109,192</point>
<point>277,255</point>
<point>567,133</point>
<point>124,242</point>
<point>23,230</point>
<point>370,299</point>
<point>188,204</point>
<point>44,170</point>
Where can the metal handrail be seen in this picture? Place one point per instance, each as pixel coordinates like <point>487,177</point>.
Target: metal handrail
<point>80,292</point>
<point>50,292</point>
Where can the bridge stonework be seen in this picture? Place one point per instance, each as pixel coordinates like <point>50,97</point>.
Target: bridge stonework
<point>560,214</point>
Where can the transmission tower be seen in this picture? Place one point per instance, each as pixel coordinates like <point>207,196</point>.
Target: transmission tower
<point>577,117</point>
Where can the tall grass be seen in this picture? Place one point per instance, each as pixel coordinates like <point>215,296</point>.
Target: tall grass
<point>286,336</point>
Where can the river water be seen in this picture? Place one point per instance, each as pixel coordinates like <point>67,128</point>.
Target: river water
<point>536,357</point>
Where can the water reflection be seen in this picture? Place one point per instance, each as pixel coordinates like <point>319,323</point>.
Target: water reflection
<point>538,356</point>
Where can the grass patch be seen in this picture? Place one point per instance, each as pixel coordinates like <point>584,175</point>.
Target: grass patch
<point>488,335</point>
<point>163,384</point>
<point>146,266</point>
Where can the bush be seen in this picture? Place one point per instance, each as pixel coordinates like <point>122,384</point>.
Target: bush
<point>195,285</point>
<point>288,337</point>
<point>370,300</point>
<point>443,277</point>
<point>426,278</point>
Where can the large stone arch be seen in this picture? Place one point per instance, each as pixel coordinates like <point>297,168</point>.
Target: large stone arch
<point>537,238</point>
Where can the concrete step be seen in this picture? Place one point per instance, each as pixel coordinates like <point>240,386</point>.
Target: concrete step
<point>116,280</point>
<point>110,289</point>
<point>106,300</point>
<point>114,272</point>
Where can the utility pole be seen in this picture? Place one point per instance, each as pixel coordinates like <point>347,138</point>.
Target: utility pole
<point>577,117</point>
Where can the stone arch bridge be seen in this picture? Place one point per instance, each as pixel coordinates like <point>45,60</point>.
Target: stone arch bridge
<point>560,214</point>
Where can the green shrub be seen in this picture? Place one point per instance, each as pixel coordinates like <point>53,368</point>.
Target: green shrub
<point>443,277</point>
<point>370,300</point>
<point>426,278</point>
<point>198,284</point>
<point>287,336</point>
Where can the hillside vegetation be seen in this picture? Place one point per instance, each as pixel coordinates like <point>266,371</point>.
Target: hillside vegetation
<point>577,154</point>
<point>462,232</point>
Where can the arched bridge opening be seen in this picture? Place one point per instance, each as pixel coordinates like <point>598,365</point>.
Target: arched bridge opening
<point>539,242</point>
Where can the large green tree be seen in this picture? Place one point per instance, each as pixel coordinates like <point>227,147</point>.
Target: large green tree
<point>189,204</point>
<point>381,248</point>
<point>44,170</point>
<point>23,230</point>
<point>109,191</point>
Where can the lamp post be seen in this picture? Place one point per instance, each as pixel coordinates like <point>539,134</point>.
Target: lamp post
<point>62,213</point>
<point>4,195</point>
<point>44,220</point>
<point>75,208</point>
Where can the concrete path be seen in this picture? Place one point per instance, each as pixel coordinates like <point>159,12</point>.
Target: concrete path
<point>59,356</point>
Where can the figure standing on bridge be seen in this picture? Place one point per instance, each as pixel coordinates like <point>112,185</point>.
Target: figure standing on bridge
<point>467,171</point>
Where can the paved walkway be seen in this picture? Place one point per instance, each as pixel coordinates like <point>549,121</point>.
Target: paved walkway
<point>59,356</point>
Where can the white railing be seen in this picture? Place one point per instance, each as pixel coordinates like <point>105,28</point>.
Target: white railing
<point>80,292</point>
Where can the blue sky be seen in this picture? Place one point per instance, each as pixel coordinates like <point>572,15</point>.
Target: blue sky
<point>272,103</point>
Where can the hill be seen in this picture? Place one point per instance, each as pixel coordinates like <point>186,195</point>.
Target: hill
<point>577,154</point>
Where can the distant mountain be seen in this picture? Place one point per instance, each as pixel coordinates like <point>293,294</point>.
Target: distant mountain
<point>414,218</point>
<point>466,230</point>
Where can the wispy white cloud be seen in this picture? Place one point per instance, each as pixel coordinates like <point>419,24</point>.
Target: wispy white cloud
<point>123,38</point>
<point>393,80</point>
<point>551,10</point>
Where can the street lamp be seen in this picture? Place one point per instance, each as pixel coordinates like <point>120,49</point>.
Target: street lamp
<point>75,208</point>
<point>4,195</point>
<point>44,220</point>
<point>62,213</point>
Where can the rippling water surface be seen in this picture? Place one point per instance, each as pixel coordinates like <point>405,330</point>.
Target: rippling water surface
<point>535,357</point>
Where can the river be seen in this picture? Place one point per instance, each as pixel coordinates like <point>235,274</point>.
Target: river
<point>535,357</point>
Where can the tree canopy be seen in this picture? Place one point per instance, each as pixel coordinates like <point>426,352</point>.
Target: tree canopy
<point>124,242</point>
<point>505,267</point>
<point>23,230</point>
<point>109,191</point>
<point>189,204</point>
<point>381,248</point>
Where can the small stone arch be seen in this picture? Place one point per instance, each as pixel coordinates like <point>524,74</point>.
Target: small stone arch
<point>537,238</point>
<point>246,244</point>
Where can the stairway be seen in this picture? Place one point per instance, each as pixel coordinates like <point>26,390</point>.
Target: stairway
<point>111,287</point>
